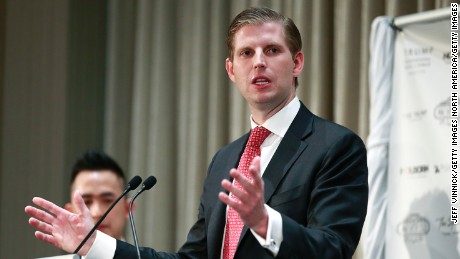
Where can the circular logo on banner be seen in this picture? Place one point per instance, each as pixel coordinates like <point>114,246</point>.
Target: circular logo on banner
<point>414,228</point>
<point>442,112</point>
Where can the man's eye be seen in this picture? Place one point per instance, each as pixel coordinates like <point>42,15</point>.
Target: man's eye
<point>273,50</point>
<point>245,53</point>
<point>88,202</point>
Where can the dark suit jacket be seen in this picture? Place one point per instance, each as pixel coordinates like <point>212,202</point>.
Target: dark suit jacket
<point>317,180</point>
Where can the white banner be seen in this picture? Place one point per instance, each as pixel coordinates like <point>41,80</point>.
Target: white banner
<point>419,184</point>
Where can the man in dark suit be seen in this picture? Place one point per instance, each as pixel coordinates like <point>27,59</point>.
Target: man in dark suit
<point>300,192</point>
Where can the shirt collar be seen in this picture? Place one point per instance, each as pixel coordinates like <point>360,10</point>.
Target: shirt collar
<point>280,122</point>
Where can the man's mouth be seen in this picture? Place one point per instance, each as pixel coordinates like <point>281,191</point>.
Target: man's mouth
<point>260,81</point>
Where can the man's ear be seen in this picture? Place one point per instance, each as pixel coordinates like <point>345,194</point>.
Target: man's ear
<point>298,63</point>
<point>229,68</point>
<point>68,206</point>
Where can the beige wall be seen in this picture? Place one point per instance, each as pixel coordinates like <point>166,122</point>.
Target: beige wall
<point>52,88</point>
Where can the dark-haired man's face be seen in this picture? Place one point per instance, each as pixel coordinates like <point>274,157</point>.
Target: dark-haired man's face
<point>99,190</point>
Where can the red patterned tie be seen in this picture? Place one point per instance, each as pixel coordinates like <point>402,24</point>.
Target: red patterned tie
<point>234,223</point>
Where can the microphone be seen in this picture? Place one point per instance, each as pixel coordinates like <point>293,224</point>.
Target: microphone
<point>148,183</point>
<point>135,181</point>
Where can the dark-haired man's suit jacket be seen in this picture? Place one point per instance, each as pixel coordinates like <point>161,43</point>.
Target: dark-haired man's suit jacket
<point>317,180</point>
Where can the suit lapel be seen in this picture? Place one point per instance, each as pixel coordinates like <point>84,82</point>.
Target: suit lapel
<point>290,148</point>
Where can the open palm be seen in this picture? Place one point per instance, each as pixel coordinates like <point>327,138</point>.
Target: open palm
<point>59,227</point>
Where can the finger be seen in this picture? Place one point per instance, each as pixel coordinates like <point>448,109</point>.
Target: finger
<point>254,172</point>
<point>47,205</point>
<point>240,178</point>
<point>42,226</point>
<point>246,182</point>
<point>30,210</point>
<point>225,198</point>
<point>256,163</point>
<point>39,214</point>
<point>80,203</point>
<point>231,188</point>
<point>227,185</point>
<point>254,168</point>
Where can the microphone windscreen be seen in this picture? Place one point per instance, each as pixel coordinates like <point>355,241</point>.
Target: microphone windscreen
<point>150,182</point>
<point>134,182</point>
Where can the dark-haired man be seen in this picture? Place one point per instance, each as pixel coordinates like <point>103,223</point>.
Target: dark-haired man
<point>100,180</point>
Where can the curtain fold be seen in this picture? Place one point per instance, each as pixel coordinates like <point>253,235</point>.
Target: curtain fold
<point>119,96</point>
<point>193,114</point>
<point>171,105</point>
<point>321,59</point>
<point>346,73</point>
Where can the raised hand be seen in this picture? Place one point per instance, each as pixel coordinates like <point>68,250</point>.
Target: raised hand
<point>62,228</point>
<point>250,205</point>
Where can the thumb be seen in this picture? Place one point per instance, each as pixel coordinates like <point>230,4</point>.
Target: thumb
<point>255,163</point>
<point>80,205</point>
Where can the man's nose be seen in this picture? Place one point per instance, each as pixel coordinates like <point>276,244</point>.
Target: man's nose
<point>259,60</point>
<point>97,210</point>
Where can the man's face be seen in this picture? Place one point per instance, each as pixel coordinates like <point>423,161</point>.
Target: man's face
<point>99,190</point>
<point>263,68</point>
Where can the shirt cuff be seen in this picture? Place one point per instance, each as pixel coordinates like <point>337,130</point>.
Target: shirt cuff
<point>103,247</point>
<point>274,237</point>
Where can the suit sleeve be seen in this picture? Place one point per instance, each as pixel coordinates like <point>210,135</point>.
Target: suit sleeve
<point>336,208</point>
<point>195,246</point>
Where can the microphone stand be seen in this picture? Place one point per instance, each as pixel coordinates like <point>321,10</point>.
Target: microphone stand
<point>133,228</point>
<point>146,185</point>
<point>131,185</point>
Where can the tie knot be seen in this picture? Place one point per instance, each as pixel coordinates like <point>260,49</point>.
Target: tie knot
<point>257,137</point>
